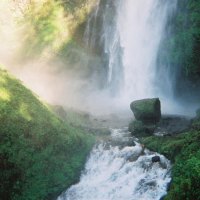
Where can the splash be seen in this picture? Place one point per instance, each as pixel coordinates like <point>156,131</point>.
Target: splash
<point>109,174</point>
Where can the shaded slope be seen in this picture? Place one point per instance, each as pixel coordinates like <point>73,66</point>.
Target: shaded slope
<point>39,154</point>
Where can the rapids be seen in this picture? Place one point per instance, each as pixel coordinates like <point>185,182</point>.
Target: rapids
<point>127,173</point>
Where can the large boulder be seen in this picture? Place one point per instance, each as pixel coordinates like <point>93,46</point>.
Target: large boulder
<point>147,110</point>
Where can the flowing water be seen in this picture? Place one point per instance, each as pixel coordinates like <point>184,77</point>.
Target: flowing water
<point>128,34</point>
<point>141,26</point>
<point>121,173</point>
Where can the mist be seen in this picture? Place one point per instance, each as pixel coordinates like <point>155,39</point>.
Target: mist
<point>51,80</point>
<point>124,79</point>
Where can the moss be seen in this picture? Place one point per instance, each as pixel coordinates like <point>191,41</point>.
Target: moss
<point>146,110</point>
<point>40,155</point>
<point>184,152</point>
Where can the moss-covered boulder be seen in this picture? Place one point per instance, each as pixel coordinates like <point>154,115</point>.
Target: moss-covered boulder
<point>147,110</point>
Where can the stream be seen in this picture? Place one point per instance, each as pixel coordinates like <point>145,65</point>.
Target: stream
<point>121,172</point>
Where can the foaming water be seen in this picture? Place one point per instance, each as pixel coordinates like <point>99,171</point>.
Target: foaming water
<point>114,173</point>
<point>141,26</point>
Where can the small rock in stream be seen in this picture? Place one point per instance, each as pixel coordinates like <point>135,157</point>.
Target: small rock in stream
<point>155,159</point>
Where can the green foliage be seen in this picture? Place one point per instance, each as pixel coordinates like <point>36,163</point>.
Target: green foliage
<point>72,6</point>
<point>186,181</point>
<point>40,155</point>
<point>184,151</point>
<point>45,26</point>
<point>50,24</point>
<point>182,46</point>
<point>71,53</point>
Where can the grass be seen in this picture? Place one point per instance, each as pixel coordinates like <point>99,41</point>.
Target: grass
<point>184,151</point>
<point>40,155</point>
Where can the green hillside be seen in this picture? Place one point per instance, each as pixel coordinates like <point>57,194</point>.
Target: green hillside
<point>183,150</point>
<point>40,155</point>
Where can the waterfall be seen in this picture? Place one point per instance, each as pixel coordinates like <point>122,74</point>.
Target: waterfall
<point>128,34</point>
<point>102,35</point>
<point>114,173</point>
<point>141,26</point>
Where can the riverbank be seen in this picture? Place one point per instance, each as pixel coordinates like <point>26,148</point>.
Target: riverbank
<point>184,152</point>
<point>181,147</point>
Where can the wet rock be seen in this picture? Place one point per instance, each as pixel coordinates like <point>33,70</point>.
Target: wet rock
<point>138,128</point>
<point>155,159</point>
<point>146,184</point>
<point>152,183</point>
<point>147,110</point>
<point>163,165</point>
<point>162,198</point>
<point>172,124</point>
<point>169,186</point>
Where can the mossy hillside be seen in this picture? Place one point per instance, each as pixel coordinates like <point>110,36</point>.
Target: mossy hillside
<point>184,151</point>
<point>40,155</point>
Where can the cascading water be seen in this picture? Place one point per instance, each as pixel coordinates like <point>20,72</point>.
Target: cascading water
<point>128,34</point>
<point>141,26</point>
<point>126,173</point>
<point>102,34</point>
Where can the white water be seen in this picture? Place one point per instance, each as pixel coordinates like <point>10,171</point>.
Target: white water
<point>109,175</point>
<point>130,43</point>
<point>130,33</point>
<point>141,25</point>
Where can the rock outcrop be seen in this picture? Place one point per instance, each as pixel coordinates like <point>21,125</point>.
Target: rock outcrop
<point>155,159</point>
<point>172,125</point>
<point>147,110</point>
<point>147,113</point>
